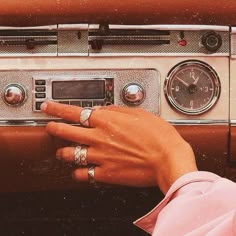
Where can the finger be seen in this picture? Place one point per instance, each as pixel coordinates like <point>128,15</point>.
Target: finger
<point>133,177</point>
<point>66,112</point>
<point>130,110</point>
<point>81,174</point>
<point>67,154</point>
<point>72,133</point>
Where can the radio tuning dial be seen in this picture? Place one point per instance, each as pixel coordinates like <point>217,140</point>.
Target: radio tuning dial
<point>14,95</point>
<point>133,94</point>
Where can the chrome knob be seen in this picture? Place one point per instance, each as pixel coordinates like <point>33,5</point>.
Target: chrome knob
<point>14,95</point>
<point>133,94</point>
<point>212,41</point>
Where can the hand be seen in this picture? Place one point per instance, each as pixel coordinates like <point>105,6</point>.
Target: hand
<point>128,146</point>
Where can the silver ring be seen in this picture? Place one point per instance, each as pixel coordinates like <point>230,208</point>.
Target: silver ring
<point>80,156</point>
<point>84,116</point>
<point>91,174</point>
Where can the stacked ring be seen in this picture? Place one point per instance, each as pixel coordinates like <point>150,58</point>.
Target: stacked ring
<point>80,156</point>
<point>91,174</point>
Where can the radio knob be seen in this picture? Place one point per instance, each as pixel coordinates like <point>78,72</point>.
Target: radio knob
<point>14,95</point>
<point>133,94</point>
<point>212,41</point>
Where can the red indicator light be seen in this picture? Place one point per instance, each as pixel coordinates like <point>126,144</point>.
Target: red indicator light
<point>182,42</point>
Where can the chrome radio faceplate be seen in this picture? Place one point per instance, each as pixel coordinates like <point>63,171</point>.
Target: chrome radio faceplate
<point>86,88</point>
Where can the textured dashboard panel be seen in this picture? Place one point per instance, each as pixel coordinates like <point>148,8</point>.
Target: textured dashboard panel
<point>178,40</point>
<point>77,40</point>
<point>151,83</point>
<point>72,43</point>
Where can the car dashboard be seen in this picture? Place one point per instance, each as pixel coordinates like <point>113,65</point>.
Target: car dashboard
<point>181,73</point>
<point>175,60</point>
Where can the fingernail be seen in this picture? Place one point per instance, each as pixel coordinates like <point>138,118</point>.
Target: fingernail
<point>43,106</point>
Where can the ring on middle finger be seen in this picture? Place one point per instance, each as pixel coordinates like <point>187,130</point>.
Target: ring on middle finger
<point>80,155</point>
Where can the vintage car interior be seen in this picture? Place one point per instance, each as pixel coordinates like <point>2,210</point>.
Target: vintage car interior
<point>175,59</point>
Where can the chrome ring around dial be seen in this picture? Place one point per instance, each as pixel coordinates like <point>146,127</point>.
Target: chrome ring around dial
<point>14,95</point>
<point>192,87</point>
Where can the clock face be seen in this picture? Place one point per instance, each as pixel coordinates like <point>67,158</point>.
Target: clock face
<point>192,87</point>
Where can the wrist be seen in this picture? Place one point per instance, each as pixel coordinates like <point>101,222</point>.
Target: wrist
<point>178,162</point>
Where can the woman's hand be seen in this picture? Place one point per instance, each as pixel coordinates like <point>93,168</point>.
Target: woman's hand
<point>128,146</point>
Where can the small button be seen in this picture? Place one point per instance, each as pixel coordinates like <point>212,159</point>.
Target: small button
<point>40,95</point>
<point>75,103</point>
<point>98,103</point>
<point>40,89</point>
<point>64,102</point>
<point>87,103</point>
<point>40,82</point>
<point>37,105</point>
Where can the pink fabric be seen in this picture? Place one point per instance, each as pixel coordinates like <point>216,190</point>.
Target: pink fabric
<point>198,203</point>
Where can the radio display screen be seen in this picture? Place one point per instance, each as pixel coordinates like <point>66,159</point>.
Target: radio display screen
<point>82,89</point>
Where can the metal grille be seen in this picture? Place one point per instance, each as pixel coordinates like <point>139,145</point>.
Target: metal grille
<point>73,43</point>
<point>28,42</point>
<point>39,50</point>
<point>193,46</point>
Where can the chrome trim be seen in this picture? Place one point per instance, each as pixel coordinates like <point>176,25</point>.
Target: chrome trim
<point>158,54</point>
<point>199,122</point>
<point>47,27</point>
<point>20,124</point>
<point>174,122</point>
<point>233,30</point>
<point>233,122</point>
<point>166,27</point>
<point>29,123</point>
<point>73,26</point>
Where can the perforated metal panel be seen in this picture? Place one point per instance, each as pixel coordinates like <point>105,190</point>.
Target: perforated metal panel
<point>185,41</point>
<point>73,43</point>
<point>74,40</point>
<point>193,46</point>
<point>149,79</point>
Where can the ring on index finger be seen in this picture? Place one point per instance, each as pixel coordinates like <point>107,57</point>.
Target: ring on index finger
<point>84,116</point>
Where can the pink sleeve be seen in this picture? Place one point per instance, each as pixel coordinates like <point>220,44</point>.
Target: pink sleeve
<point>198,203</point>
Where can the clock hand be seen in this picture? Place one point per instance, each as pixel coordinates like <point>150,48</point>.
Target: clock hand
<point>197,79</point>
<point>182,81</point>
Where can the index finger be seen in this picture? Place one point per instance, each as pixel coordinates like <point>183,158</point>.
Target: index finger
<point>66,112</point>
